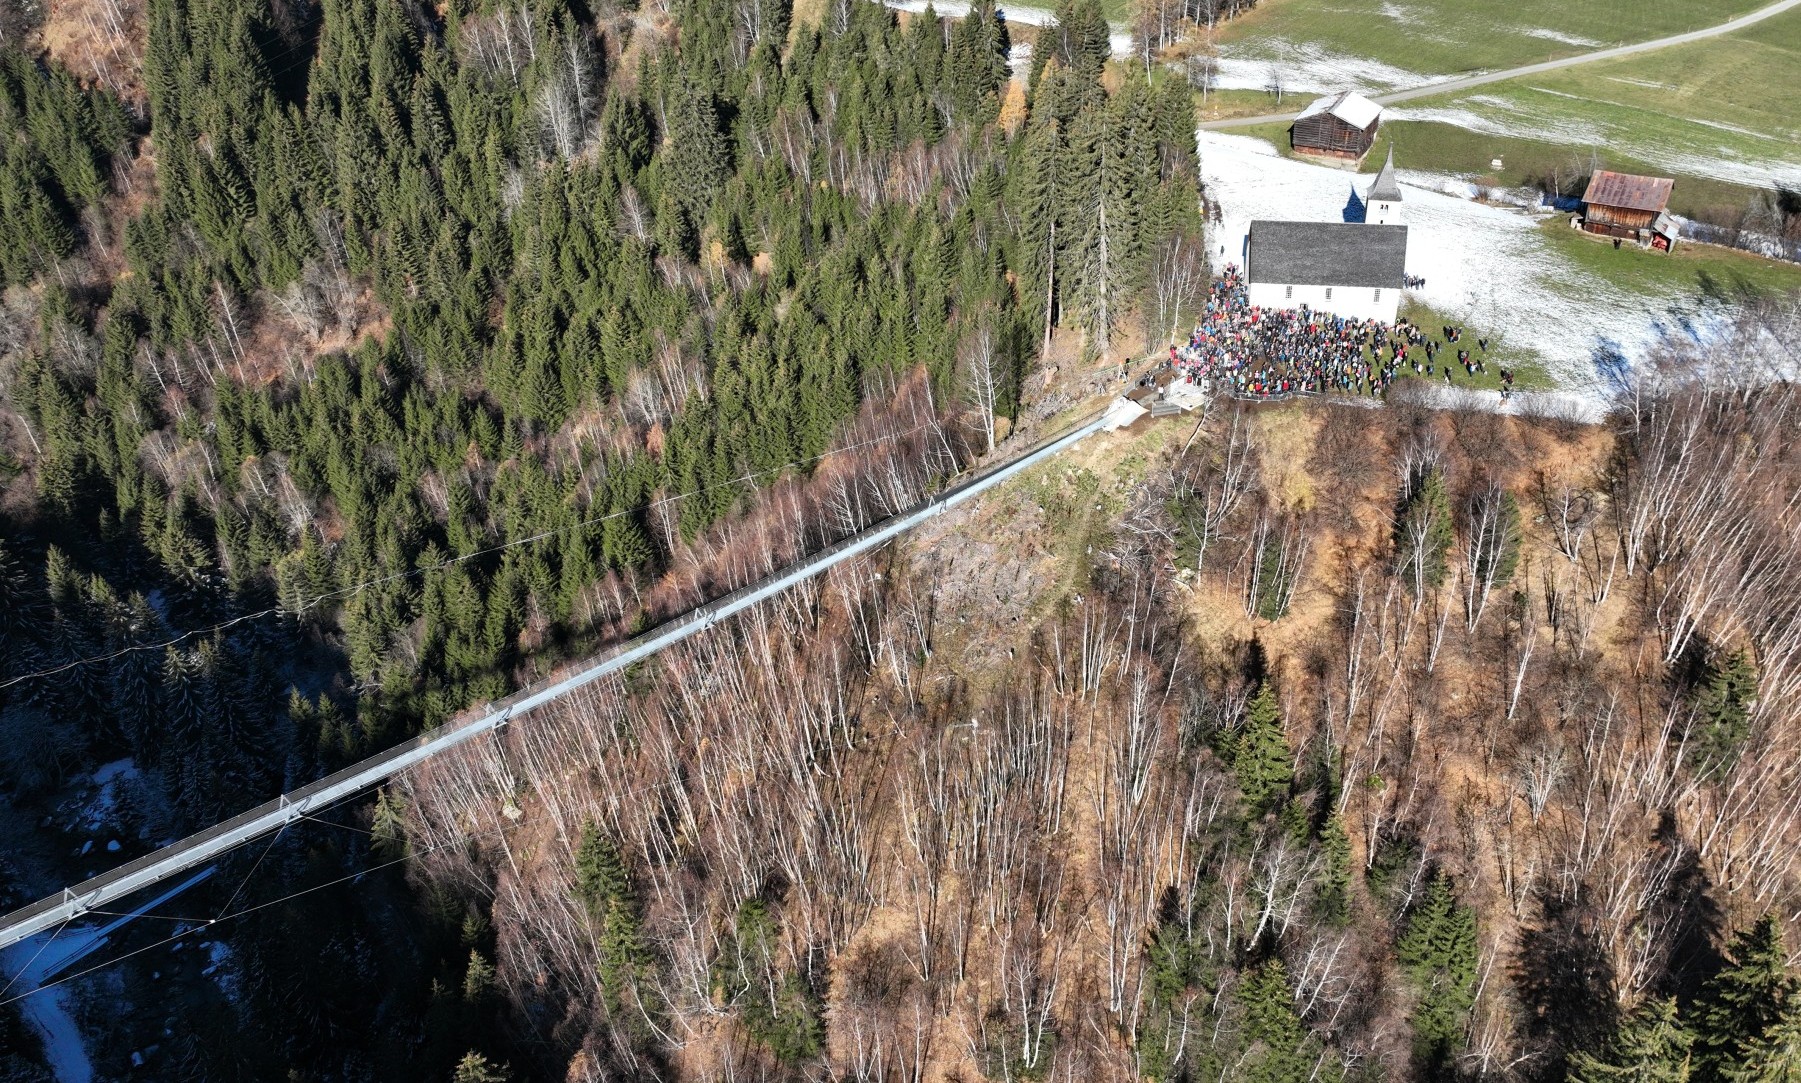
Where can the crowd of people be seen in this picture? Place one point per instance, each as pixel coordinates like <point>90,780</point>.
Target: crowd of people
<point>1258,353</point>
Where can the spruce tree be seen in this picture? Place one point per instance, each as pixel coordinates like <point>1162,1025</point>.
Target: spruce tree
<point>1723,713</point>
<point>475,1068</point>
<point>1275,1046</point>
<point>1652,1046</point>
<point>1744,1001</point>
<point>1423,532</point>
<point>1332,899</point>
<point>1438,952</point>
<point>1259,755</point>
<point>698,156</point>
<point>1775,1057</point>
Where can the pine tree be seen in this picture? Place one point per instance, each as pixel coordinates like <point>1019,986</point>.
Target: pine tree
<point>478,978</point>
<point>1333,896</point>
<point>603,885</point>
<point>1438,952</point>
<point>698,156</point>
<point>475,1068</point>
<point>1745,1001</point>
<point>1275,1046</point>
<point>1652,1046</point>
<point>388,826</point>
<point>1723,710</point>
<point>1040,197</point>
<point>1423,532</point>
<point>1776,1056</point>
<point>1259,755</point>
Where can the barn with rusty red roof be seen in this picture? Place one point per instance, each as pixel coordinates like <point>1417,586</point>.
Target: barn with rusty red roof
<point>1630,207</point>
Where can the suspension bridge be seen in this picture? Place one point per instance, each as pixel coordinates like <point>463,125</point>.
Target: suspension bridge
<point>58,910</point>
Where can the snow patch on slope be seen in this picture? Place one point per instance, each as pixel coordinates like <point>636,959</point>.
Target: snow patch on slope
<point>1557,35</point>
<point>1306,68</point>
<point>1485,264</point>
<point>1119,37</point>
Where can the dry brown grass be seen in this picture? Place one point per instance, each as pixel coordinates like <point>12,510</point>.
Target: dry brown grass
<point>101,42</point>
<point>1285,438</point>
<point>806,13</point>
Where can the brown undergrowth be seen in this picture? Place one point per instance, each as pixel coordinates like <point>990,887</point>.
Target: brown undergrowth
<point>971,777</point>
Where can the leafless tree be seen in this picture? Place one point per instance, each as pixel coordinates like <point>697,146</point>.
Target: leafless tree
<point>981,378</point>
<point>1215,486</point>
<point>1490,547</point>
<point>1178,276</point>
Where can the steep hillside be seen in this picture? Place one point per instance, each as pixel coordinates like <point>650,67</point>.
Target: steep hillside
<point>360,361</point>
<point>1333,742</point>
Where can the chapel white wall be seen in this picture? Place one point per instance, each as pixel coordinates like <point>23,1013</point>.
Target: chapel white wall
<point>1352,302</point>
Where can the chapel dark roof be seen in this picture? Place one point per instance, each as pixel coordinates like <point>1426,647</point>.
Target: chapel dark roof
<point>1628,191</point>
<point>1386,187</point>
<point>1328,254</point>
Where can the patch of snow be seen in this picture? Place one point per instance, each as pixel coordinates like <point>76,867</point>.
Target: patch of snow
<point>112,846</point>
<point>38,959</point>
<point>1307,68</point>
<point>1570,97</point>
<point>1548,121</point>
<point>49,1012</point>
<point>1565,131</point>
<point>107,772</point>
<point>1733,128</point>
<point>1557,35</point>
<point>95,809</point>
<point>1485,264</point>
<point>221,970</point>
<point>1119,37</point>
<point>1730,166</point>
<point>1566,405</point>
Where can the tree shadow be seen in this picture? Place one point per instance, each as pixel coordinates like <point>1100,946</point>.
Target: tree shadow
<point>1692,923</point>
<point>1565,982</point>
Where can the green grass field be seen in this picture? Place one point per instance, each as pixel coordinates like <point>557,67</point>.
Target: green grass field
<point>1723,116</point>
<point>1692,271</point>
<point>1446,148</point>
<point>1528,368</point>
<point>1443,37</point>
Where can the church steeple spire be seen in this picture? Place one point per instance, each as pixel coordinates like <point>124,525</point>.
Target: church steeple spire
<point>1383,205</point>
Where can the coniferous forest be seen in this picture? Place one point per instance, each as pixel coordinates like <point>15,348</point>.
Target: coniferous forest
<point>363,361</point>
<point>320,313</point>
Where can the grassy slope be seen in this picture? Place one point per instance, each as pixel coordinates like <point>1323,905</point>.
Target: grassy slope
<point>1693,111</point>
<point>1528,368</point>
<point>1693,270</point>
<point>1450,36</point>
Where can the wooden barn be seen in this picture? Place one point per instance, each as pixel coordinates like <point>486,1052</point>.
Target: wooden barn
<point>1342,126</point>
<point>1629,207</point>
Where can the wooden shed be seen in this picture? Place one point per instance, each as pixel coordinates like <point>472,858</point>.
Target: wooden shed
<point>1342,126</point>
<point>1629,207</point>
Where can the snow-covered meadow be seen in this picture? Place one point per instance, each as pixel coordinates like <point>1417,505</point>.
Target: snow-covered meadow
<point>1309,68</point>
<point>1484,264</point>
